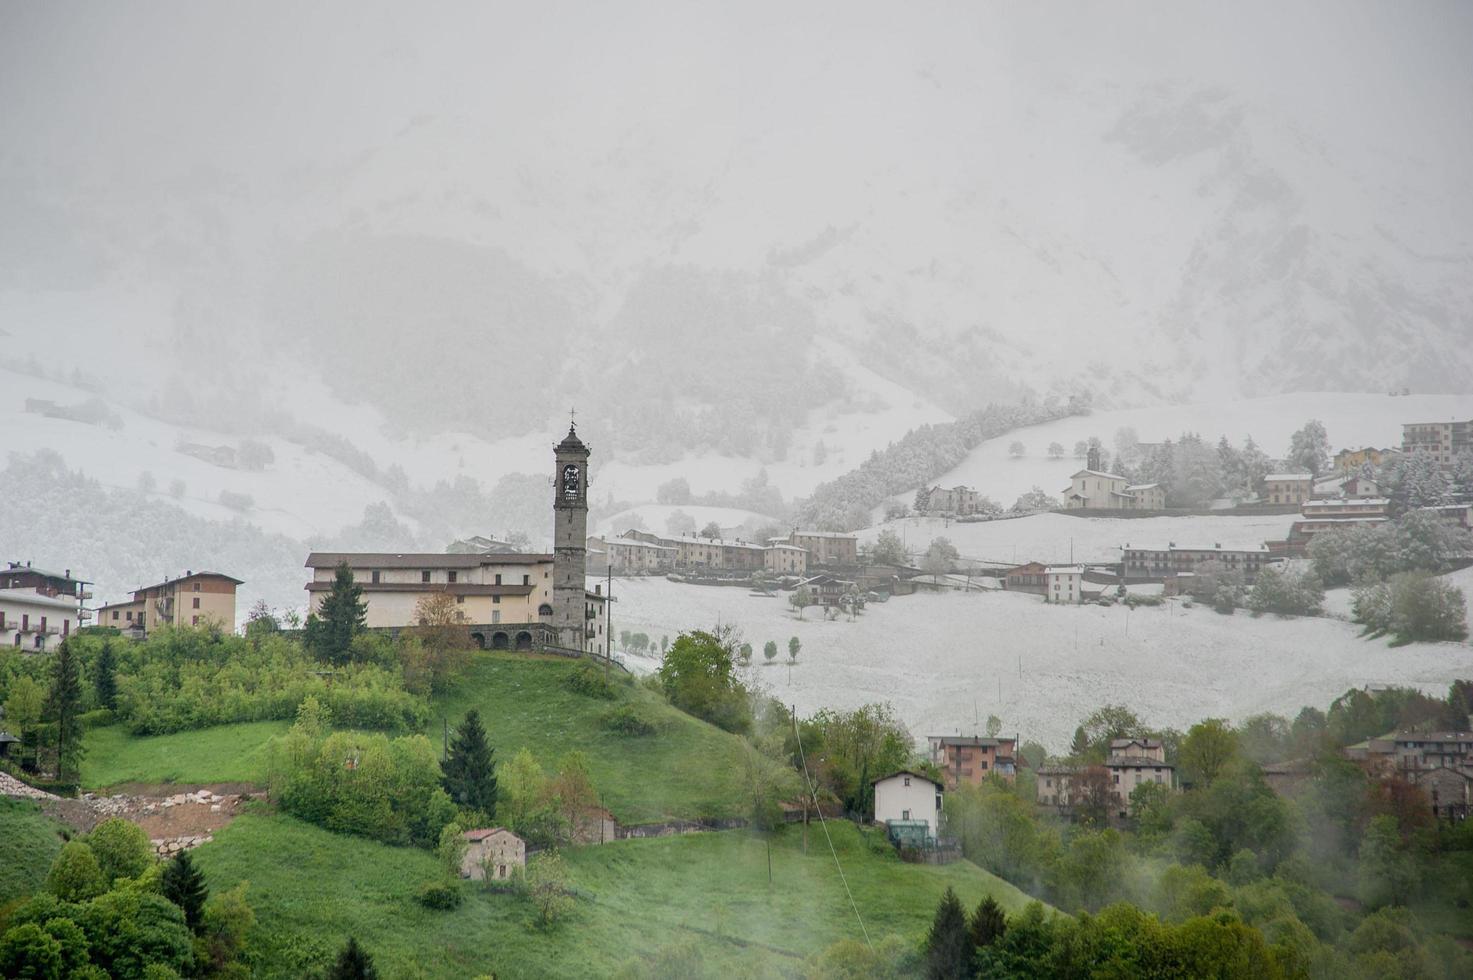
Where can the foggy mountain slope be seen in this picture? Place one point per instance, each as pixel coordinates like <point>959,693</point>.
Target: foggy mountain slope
<point>437,248</point>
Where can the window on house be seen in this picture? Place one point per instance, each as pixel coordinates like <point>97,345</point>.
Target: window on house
<point>196,586</point>
<point>424,576</point>
<point>196,602</point>
<point>40,641</point>
<point>194,621</point>
<point>375,576</point>
<point>496,615</point>
<point>496,600</point>
<point>526,580</point>
<point>450,576</point>
<point>498,579</point>
<point>907,780</point>
<point>904,814</point>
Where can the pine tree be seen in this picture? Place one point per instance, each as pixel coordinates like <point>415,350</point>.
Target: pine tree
<point>353,963</point>
<point>106,681</point>
<point>1081,742</point>
<point>184,885</point>
<point>64,709</point>
<point>949,946</point>
<point>988,923</point>
<point>343,615</point>
<point>470,767</point>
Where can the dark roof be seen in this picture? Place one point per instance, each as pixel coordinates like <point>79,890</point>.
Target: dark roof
<point>383,559</point>
<point>1150,743</point>
<point>6,737</point>
<point>190,575</point>
<point>906,772</point>
<point>571,442</point>
<point>1136,762</point>
<point>978,740</point>
<point>452,588</point>
<point>481,833</point>
<point>1435,737</point>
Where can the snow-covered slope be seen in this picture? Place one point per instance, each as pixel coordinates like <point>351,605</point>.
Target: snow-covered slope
<point>948,661</point>
<point>1351,420</point>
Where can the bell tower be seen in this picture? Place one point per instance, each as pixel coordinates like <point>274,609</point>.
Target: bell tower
<point>570,539</point>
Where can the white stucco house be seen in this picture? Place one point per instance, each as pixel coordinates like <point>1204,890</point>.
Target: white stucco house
<point>1063,583</point>
<point>906,795</point>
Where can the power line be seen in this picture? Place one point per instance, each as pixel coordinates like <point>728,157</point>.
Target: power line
<point>824,824</point>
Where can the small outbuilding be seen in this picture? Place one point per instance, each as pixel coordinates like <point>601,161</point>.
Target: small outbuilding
<point>492,852</point>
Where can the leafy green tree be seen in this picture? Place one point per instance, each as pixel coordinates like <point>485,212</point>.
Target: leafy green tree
<point>30,951</point>
<point>988,923</point>
<point>228,920</point>
<point>353,963</point>
<point>1209,746</point>
<point>949,945</point>
<point>1388,873</point>
<point>520,787</point>
<point>105,679</point>
<point>769,650</point>
<point>470,767</point>
<point>794,645</point>
<point>746,653</point>
<point>184,885</point>
<point>547,884</point>
<point>131,931</point>
<point>697,676</point>
<point>75,875</point>
<point>122,849</point>
<point>342,616</point>
<point>63,709</point>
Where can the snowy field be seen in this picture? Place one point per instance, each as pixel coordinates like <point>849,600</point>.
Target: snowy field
<point>1052,537</point>
<point>946,661</point>
<point>1352,420</point>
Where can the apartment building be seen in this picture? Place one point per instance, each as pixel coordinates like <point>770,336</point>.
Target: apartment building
<point>1161,563</point>
<point>39,609</point>
<point>1443,441</point>
<point>1281,489</point>
<point>972,758</point>
<point>192,599</point>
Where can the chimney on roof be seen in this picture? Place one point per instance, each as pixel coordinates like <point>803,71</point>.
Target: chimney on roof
<point>67,573</point>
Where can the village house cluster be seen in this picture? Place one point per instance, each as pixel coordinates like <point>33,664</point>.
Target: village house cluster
<point>637,552</point>
<point>192,599</point>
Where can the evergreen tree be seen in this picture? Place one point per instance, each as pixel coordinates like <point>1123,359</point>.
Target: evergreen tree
<point>470,769</point>
<point>353,963</point>
<point>949,946</point>
<point>988,923</point>
<point>184,885</point>
<point>106,681</point>
<point>1081,742</point>
<point>64,709</point>
<point>343,615</point>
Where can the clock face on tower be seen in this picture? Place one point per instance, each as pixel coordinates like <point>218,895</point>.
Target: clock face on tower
<point>571,488</point>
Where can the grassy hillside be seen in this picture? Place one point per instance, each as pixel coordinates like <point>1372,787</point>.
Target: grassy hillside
<point>312,888</point>
<point>29,841</point>
<point>688,769</point>
<point>225,753</point>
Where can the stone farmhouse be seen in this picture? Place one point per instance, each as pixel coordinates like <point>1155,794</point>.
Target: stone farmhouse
<point>39,609</point>
<point>192,599</point>
<point>492,852</point>
<point>972,758</point>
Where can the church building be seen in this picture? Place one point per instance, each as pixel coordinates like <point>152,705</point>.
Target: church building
<point>507,601</point>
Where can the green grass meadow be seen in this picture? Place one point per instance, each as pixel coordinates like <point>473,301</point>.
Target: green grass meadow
<point>223,754</point>
<point>29,841</point>
<point>312,889</point>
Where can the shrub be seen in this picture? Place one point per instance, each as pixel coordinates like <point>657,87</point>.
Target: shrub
<point>1133,600</point>
<point>75,875</point>
<point>627,720</point>
<point>1286,592</point>
<point>590,681</point>
<point>1414,606</point>
<point>121,848</point>
<point>440,895</point>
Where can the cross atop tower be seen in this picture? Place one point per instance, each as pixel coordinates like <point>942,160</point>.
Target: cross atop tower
<point>573,417</point>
